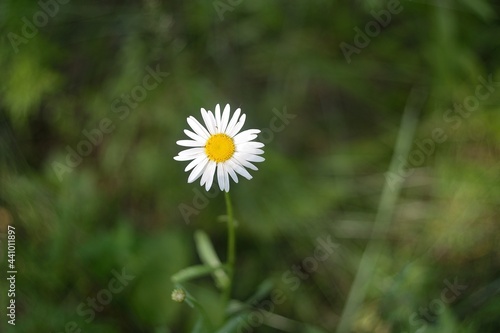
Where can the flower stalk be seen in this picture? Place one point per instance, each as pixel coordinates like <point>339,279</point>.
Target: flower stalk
<point>231,246</point>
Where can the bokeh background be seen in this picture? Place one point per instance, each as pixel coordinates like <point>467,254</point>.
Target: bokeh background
<point>325,173</point>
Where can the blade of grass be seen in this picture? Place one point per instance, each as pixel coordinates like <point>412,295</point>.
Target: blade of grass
<point>387,203</point>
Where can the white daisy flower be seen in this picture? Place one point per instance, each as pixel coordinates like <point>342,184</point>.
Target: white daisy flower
<point>219,145</point>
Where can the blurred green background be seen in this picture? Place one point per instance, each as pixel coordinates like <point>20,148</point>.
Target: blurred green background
<point>77,63</point>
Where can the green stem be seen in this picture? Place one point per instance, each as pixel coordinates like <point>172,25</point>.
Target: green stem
<point>192,302</point>
<point>231,246</point>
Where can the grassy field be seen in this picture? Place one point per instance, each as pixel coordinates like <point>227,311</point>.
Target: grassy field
<point>377,209</point>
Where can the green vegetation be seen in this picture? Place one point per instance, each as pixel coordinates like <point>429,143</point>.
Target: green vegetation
<point>382,128</point>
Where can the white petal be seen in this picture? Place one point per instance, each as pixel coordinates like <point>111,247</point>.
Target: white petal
<point>209,174</point>
<point>246,136</point>
<point>239,169</point>
<point>208,121</point>
<point>192,151</point>
<point>197,171</point>
<point>225,118</point>
<point>249,165</point>
<point>212,120</point>
<point>233,121</point>
<point>195,162</point>
<point>197,127</point>
<point>226,177</point>
<point>250,151</point>
<point>206,174</point>
<point>220,176</point>
<point>241,161</point>
<point>251,131</point>
<point>254,158</point>
<point>217,118</point>
<point>195,136</point>
<point>190,143</point>
<point>238,126</point>
<point>231,172</point>
<point>250,145</point>
<point>185,158</point>
<point>248,157</point>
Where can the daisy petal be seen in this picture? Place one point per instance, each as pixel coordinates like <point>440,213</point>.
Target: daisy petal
<point>226,177</point>
<point>198,128</point>
<point>243,162</point>
<point>254,158</point>
<point>238,126</point>
<point>250,145</point>
<point>209,174</point>
<point>233,121</point>
<point>251,151</point>
<point>189,143</point>
<point>225,118</point>
<point>184,158</point>
<point>220,176</point>
<point>208,121</point>
<point>205,174</point>
<point>195,136</point>
<point>232,173</point>
<point>192,151</point>
<point>223,176</point>
<point>195,162</point>
<point>197,171</point>
<point>239,169</point>
<point>212,120</point>
<point>249,165</point>
<point>217,118</point>
<point>246,136</point>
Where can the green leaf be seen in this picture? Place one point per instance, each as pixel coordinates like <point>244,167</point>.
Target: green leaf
<point>201,326</point>
<point>209,257</point>
<point>193,272</point>
<point>480,8</point>
<point>233,323</point>
<point>263,290</point>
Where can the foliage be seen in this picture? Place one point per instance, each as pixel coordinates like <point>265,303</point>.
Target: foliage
<point>325,169</point>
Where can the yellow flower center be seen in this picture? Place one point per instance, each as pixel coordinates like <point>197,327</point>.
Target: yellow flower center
<point>220,147</point>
